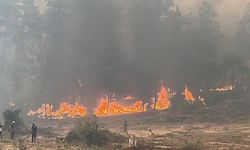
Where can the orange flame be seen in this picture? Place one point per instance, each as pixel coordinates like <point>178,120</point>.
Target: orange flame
<point>188,95</point>
<point>111,107</point>
<point>106,108</point>
<point>65,110</point>
<point>163,101</point>
<point>103,107</point>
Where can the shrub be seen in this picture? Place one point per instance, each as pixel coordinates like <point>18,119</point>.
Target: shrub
<point>13,115</point>
<point>90,133</point>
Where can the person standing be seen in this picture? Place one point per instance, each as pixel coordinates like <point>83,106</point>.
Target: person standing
<point>125,126</point>
<point>12,130</point>
<point>33,132</point>
<point>1,130</point>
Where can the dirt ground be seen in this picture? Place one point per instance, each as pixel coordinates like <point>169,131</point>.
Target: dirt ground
<point>160,136</point>
<point>212,136</point>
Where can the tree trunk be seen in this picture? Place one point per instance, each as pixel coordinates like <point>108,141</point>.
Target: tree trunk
<point>3,55</point>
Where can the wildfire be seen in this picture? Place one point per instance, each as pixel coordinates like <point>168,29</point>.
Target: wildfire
<point>106,108</point>
<point>129,97</point>
<point>103,107</point>
<point>163,101</point>
<point>225,88</point>
<point>188,95</point>
<point>64,110</point>
<point>110,106</point>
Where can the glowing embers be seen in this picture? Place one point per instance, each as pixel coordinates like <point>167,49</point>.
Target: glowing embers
<point>107,108</point>
<point>65,110</point>
<point>163,100</point>
<point>225,88</point>
<point>129,97</point>
<point>188,95</point>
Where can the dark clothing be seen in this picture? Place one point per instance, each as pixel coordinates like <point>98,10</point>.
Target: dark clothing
<point>33,138</point>
<point>33,132</point>
<point>1,131</point>
<point>12,131</point>
<point>12,134</point>
<point>125,126</point>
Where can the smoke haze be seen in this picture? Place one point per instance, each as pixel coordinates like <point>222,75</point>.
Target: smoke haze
<point>229,11</point>
<point>126,47</point>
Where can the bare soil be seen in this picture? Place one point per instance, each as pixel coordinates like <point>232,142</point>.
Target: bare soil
<point>160,136</point>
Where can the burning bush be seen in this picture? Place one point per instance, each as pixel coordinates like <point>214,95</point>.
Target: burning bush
<point>90,133</point>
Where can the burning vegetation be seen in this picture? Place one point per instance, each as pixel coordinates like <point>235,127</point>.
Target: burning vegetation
<point>188,95</point>
<point>224,88</point>
<point>111,106</point>
<point>162,101</point>
<point>107,108</point>
<point>65,110</point>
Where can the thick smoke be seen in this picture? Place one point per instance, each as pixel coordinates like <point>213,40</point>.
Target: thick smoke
<point>129,47</point>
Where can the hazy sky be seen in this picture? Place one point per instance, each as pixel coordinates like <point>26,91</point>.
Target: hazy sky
<point>229,11</point>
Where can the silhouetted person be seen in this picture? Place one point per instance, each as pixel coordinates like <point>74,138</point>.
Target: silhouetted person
<point>12,130</point>
<point>1,130</point>
<point>33,132</point>
<point>125,126</point>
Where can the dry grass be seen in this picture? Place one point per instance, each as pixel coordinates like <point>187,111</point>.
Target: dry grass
<point>194,145</point>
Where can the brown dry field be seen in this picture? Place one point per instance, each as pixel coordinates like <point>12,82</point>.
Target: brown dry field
<point>212,136</point>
